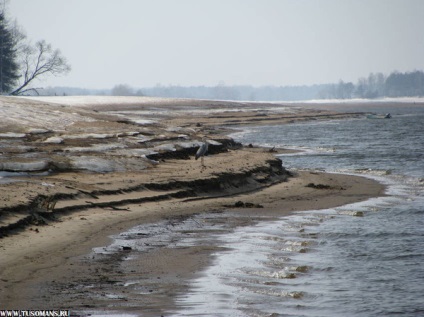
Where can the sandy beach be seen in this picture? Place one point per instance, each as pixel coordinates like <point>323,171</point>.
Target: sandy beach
<point>78,170</point>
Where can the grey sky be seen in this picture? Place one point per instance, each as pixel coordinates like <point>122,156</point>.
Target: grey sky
<point>204,42</point>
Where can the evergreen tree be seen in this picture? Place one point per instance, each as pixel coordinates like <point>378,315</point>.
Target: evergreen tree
<point>9,67</point>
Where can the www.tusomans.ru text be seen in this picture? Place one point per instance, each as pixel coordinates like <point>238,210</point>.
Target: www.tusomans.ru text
<point>34,313</point>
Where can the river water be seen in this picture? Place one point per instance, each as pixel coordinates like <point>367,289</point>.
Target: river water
<point>327,262</point>
<point>316,262</point>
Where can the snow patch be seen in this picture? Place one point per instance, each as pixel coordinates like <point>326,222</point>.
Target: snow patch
<point>38,131</point>
<point>169,147</point>
<point>90,136</point>
<point>30,114</point>
<point>24,166</point>
<point>96,148</point>
<point>54,140</point>
<point>12,135</point>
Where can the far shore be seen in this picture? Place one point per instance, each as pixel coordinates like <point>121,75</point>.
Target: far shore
<point>52,218</point>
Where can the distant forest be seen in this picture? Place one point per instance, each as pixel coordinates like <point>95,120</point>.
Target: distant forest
<point>376,85</point>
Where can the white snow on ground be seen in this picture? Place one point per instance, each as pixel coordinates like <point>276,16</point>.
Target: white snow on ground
<point>24,148</point>
<point>360,100</point>
<point>99,100</point>
<point>155,105</point>
<point>95,164</point>
<point>12,135</point>
<point>89,136</point>
<point>38,131</point>
<point>54,140</point>
<point>95,148</point>
<point>138,100</point>
<point>24,166</point>
<point>169,147</point>
<point>22,113</point>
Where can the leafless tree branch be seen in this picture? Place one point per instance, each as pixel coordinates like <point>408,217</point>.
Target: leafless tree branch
<point>38,61</point>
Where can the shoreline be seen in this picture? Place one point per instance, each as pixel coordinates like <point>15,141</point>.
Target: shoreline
<point>44,266</point>
<point>63,261</point>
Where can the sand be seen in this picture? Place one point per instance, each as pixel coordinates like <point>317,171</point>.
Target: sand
<point>52,221</point>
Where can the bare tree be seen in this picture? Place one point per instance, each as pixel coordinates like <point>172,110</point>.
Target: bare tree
<point>122,90</point>
<point>38,61</point>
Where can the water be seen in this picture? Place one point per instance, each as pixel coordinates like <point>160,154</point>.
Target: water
<point>327,263</point>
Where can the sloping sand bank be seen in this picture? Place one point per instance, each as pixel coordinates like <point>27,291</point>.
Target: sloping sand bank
<point>52,216</point>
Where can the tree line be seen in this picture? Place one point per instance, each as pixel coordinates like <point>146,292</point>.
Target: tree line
<point>240,92</point>
<point>22,62</point>
<point>377,85</point>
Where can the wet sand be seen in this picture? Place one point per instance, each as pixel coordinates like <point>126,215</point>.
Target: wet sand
<point>46,253</point>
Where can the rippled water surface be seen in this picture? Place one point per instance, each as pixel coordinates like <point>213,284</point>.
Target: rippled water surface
<point>319,262</point>
<point>329,262</point>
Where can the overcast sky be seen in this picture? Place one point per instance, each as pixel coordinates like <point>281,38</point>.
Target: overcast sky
<point>205,42</point>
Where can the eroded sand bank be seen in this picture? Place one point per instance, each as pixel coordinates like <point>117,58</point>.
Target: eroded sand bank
<point>53,215</point>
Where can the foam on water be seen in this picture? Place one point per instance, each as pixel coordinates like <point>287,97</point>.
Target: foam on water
<point>357,266</point>
<point>279,266</point>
